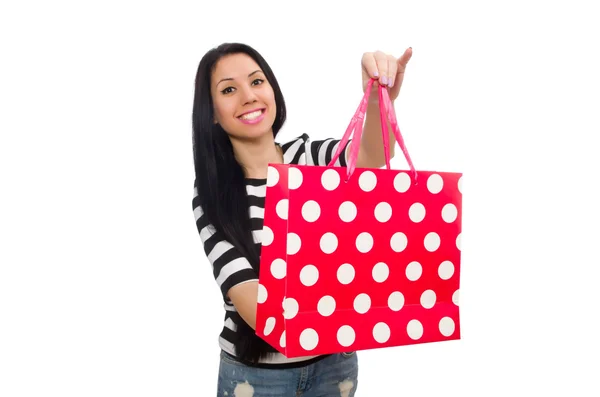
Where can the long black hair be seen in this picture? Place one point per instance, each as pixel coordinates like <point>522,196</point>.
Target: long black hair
<point>220,179</point>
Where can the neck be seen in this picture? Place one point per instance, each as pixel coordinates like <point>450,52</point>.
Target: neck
<point>255,155</point>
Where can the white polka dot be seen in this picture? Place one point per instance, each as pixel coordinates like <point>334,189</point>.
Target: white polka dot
<point>329,243</point>
<point>428,299</point>
<point>330,179</point>
<point>459,242</point>
<point>345,273</point>
<point>309,275</point>
<point>380,272</point>
<point>269,325</point>
<point>446,270</point>
<point>282,339</point>
<point>346,335</point>
<point>402,182</point>
<point>367,181</point>
<point>432,241</point>
<point>416,212</point>
<point>262,294</point>
<point>267,236</point>
<point>383,212</point>
<point>347,211</point>
<point>362,303</point>
<point>311,211</point>
<point>455,297</point>
<point>278,268</point>
<point>272,176</point>
<point>381,332</point>
<point>309,339</point>
<point>414,271</point>
<point>460,184</point>
<point>364,242</point>
<point>435,183</point>
<point>449,213</point>
<point>293,243</point>
<point>398,242</point>
<point>294,178</point>
<point>326,306</point>
<point>447,326</point>
<point>396,301</point>
<point>282,208</point>
<point>414,329</point>
<point>290,308</point>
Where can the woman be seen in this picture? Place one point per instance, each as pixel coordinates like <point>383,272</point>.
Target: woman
<point>238,111</point>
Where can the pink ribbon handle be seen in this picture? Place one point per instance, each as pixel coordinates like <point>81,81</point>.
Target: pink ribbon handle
<point>356,126</point>
<point>356,122</point>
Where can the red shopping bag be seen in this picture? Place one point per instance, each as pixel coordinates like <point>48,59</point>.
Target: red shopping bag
<point>357,259</point>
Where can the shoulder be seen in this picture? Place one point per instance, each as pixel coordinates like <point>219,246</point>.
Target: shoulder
<point>302,149</point>
<point>294,149</point>
<point>296,141</point>
<point>304,139</point>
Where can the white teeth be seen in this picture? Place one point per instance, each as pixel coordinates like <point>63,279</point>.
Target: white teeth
<point>251,116</point>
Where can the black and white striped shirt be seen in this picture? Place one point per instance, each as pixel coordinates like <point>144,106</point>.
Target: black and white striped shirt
<point>230,268</point>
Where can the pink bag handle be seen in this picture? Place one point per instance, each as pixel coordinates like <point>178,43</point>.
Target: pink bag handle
<point>356,125</point>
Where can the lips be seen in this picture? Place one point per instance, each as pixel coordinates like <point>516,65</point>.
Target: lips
<point>251,113</point>
<point>253,116</point>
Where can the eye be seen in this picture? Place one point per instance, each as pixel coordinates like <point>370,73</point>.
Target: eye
<point>227,90</point>
<point>257,81</point>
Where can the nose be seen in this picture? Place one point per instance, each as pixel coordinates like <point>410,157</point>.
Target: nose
<point>248,95</point>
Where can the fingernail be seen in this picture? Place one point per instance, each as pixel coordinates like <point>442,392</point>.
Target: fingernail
<point>376,74</point>
<point>391,84</point>
<point>384,80</point>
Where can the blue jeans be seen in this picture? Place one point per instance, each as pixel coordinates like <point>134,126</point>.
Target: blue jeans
<point>336,375</point>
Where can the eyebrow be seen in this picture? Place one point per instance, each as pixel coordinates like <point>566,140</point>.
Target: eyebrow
<point>229,78</point>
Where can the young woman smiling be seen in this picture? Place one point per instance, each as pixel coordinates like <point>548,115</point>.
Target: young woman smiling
<point>238,110</point>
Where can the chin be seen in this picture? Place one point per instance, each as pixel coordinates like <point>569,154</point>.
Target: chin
<point>256,135</point>
<point>255,131</point>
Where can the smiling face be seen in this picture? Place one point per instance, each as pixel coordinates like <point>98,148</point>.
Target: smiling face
<point>243,99</point>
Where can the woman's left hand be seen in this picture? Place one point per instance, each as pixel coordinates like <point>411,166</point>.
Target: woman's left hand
<point>388,70</point>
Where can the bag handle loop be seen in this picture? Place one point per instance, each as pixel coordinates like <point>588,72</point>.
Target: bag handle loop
<point>356,126</point>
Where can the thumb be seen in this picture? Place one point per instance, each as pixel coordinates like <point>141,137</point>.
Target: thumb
<point>403,60</point>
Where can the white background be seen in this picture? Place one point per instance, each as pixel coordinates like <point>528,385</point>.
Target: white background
<point>104,287</point>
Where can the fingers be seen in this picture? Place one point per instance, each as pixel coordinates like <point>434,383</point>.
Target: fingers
<point>378,66</point>
<point>392,70</point>
<point>382,66</point>
<point>385,68</point>
<point>370,65</point>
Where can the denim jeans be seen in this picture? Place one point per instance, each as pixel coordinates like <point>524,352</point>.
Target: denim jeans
<point>336,375</point>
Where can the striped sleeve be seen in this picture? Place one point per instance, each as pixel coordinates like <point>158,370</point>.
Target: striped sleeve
<point>230,267</point>
<point>320,152</point>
